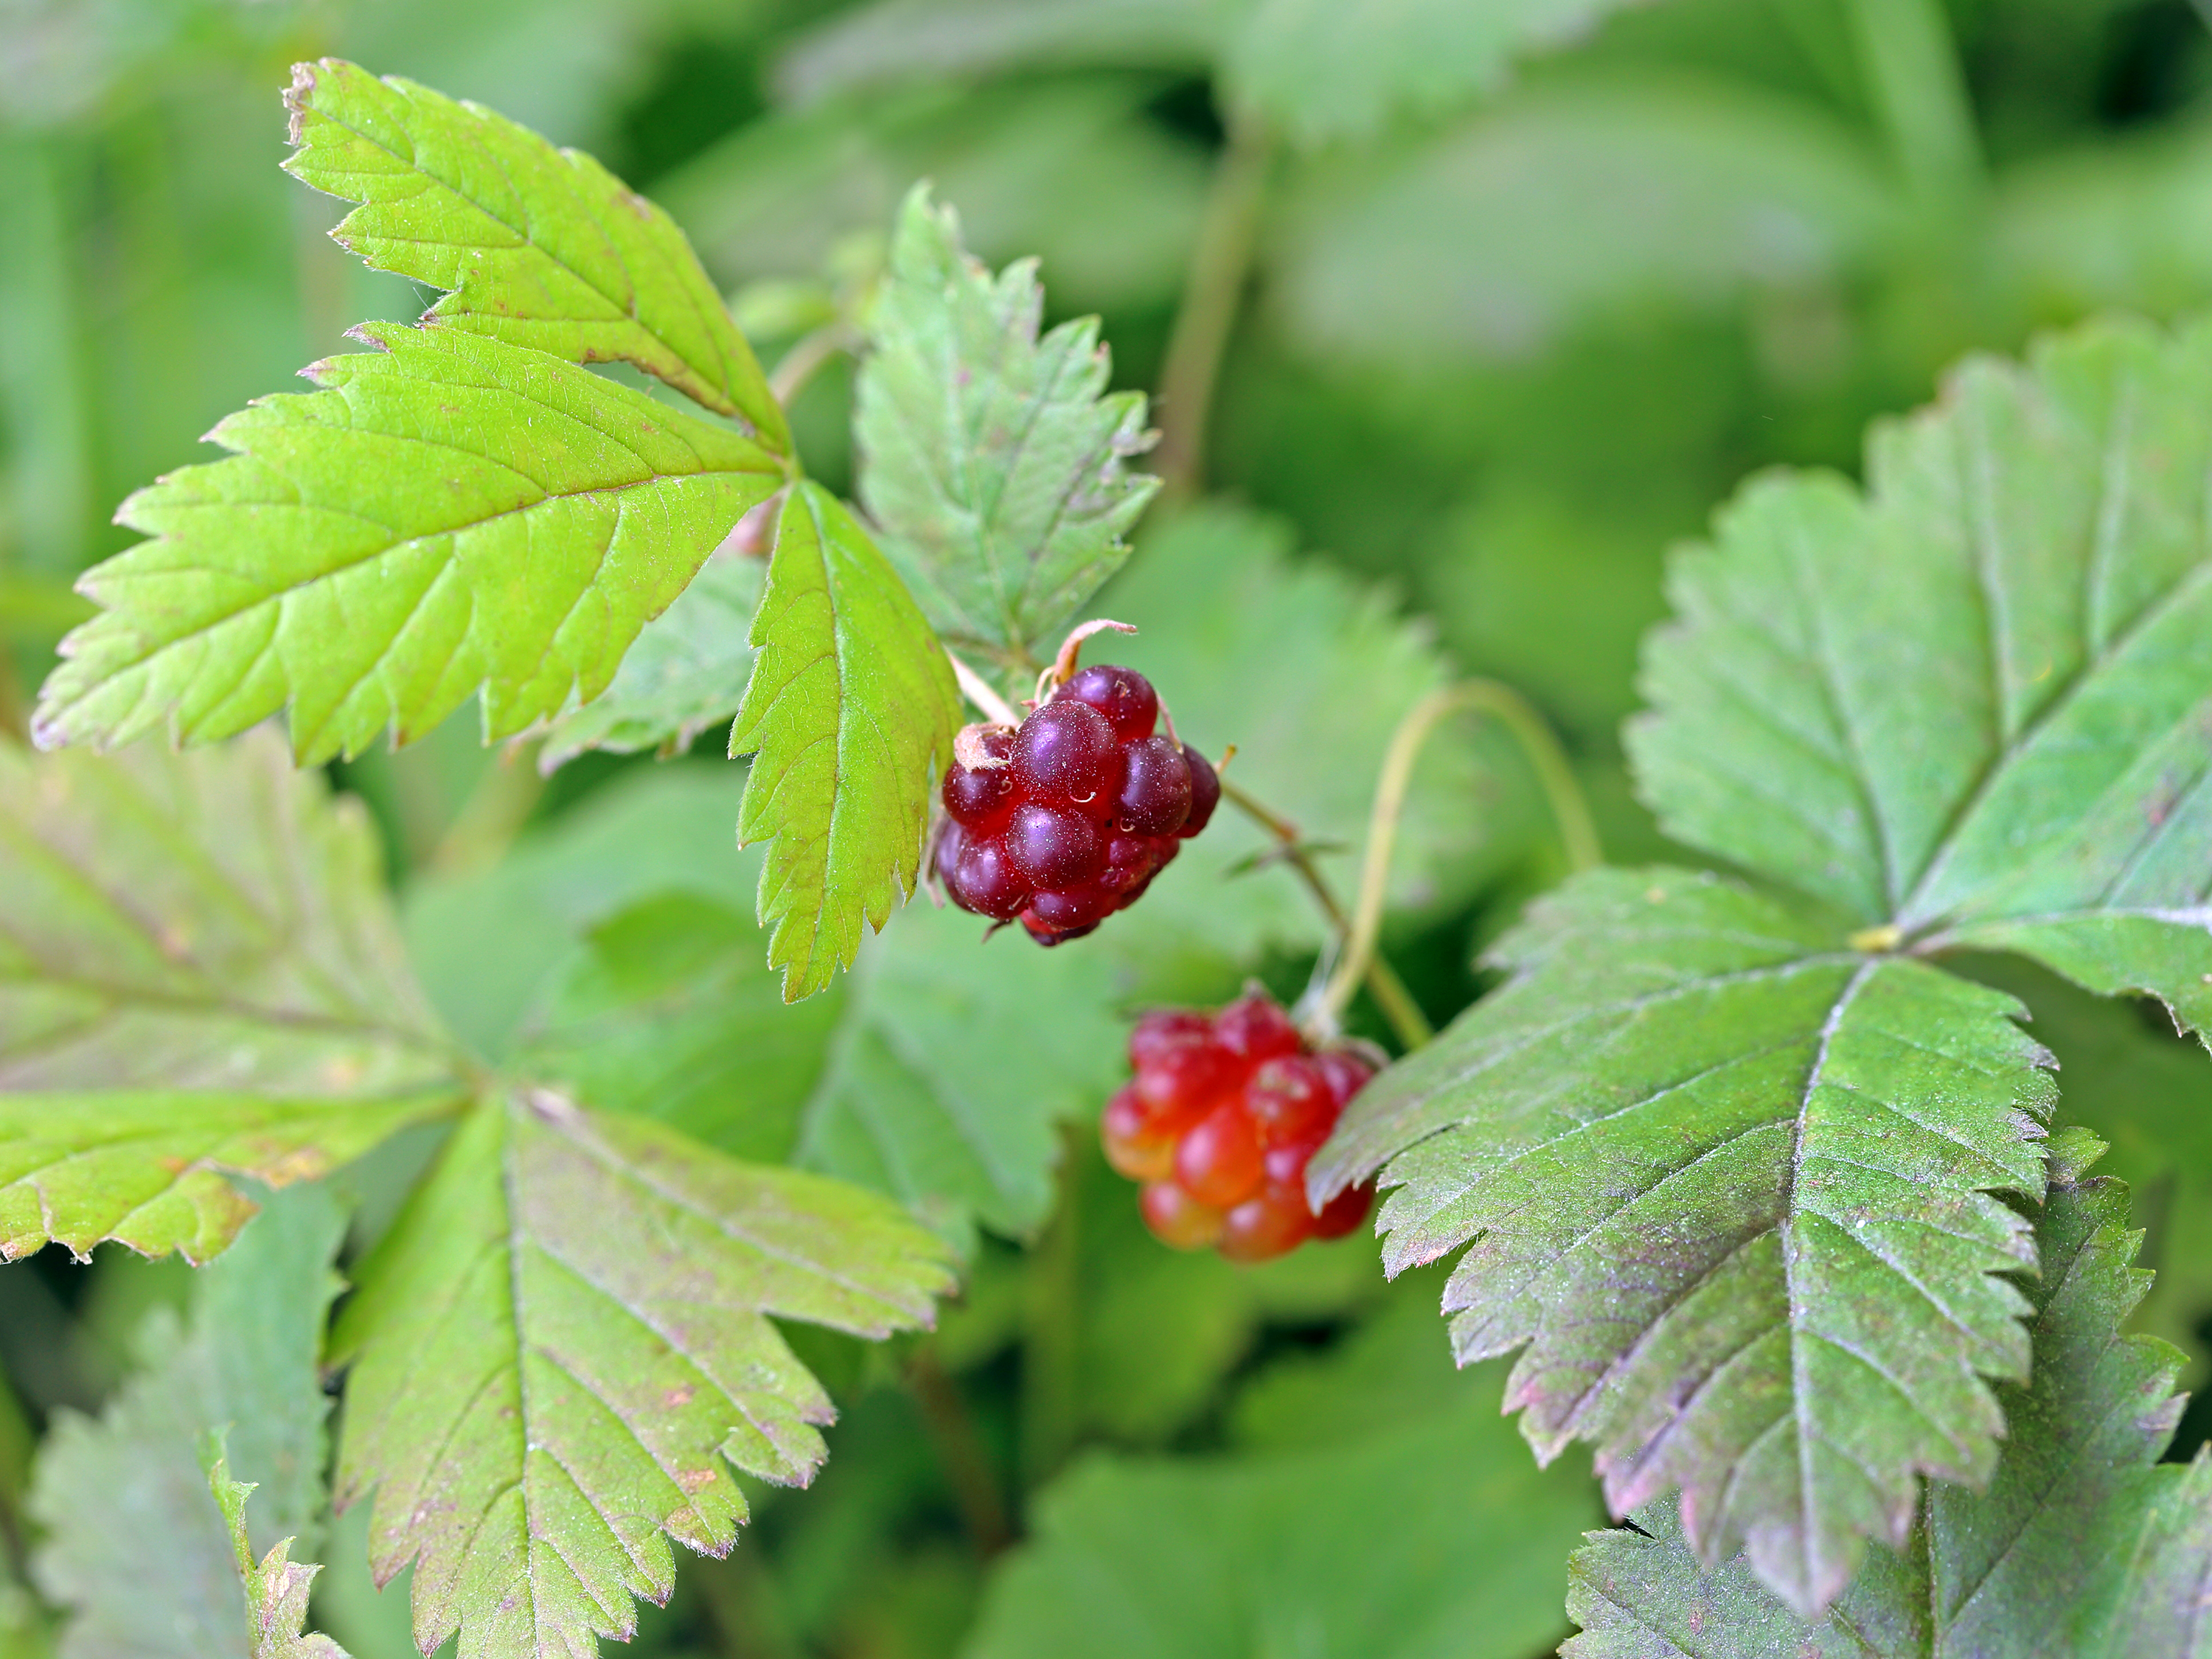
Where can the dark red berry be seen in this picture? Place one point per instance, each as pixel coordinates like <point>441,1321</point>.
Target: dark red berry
<point>1205,791</point>
<point>951,841</point>
<point>1065,754</point>
<point>1256,1028</point>
<point>1177,1218</point>
<point>985,881</point>
<point>1076,907</point>
<point>1155,798</point>
<point>1218,1161</point>
<point>980,797</point>
<point>1288,1099</point>
<point>1123,696</point>
<point>1054,849</point>
<point>1047,935</point>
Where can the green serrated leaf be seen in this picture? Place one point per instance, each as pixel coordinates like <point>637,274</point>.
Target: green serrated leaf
<point>541,247</point>
<point>277,1591</point>
<point>1729,1183</point>
<point>1971,702</point>
<point>2084,1544</point>
<point>994,458</point>
<point>198,973</point>
<point>563,1339</point>
<point>133,1546</point>
<point>450,516</point>
<point>686,672</point>
<point>851,705</point>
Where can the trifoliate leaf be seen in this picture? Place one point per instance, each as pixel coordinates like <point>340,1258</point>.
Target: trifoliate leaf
<point>566,1336</point>
<point>1968,706</point>
<point>198,973</point>
<point>1971,702</point>
<point>686,672</point>
<point>451,516</point>
<point>2084,1544</point>
<point>1430,1537</point>
<point>540,247</point>
<point>277,1591</point>
<point>992,459</point>
<point>132,1545</point>
<point>851,705</point>
<point>1729,1183</point>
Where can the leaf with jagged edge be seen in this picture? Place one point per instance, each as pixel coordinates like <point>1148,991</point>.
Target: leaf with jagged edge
<point>850,710</point>
<point>1729,1183</point>
<point>451,516</point>
<point>199,973</point>
<point>564,1338</point>
<point>541,247</point>
<point>277,1589</point>
<point>686,672</point>
<point>122,1499</point>
<point>1971,706</point>
<point>992,459</point>
<point>1973,702</point>
<point>2085,1544</point>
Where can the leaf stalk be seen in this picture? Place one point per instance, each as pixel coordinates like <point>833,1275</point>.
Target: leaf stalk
<point>1570,810</point>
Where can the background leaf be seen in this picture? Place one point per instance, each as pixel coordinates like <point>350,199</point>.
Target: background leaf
<point>685,672</point>
<point>133,1545</point>
<point>850,711</point>
<point>451,515</point>
<point>992,459</point>
<point>2084,1543</point>
<point>1340,1525</point>
<point>198,972</point>
<point>1729,1183</point>
<point>564,1337</point>
<point>540,247</point>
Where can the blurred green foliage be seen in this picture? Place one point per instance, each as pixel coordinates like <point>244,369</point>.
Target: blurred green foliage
<point>1501,340</point>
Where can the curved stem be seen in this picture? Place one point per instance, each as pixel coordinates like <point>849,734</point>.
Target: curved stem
<point>806,358</point>
<point>1219,265</point>
<point>1407,1020</point>
<point>1577,834</point>
<point>977,691</point>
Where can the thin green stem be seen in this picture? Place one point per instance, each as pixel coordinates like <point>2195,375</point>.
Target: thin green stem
<point>960,1452</point>
<point>1396,1003</point>
<point>1220,265</point>
<point>1577,834</point>
<point>806,358</point>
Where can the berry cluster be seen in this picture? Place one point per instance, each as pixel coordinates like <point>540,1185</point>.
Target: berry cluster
<point>1224,1114</point>
<point>1065,819</point>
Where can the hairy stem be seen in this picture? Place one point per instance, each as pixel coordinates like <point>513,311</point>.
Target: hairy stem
<point>1571,812</point>
<point>1219,265</point>
<point>978,691</point>
<point>1407,1020</point>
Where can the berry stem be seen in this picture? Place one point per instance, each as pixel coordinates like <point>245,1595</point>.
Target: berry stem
<point>960,1452</point>
<point>1570,812</point>
<point>977,691</point>
<point>1407,1020</point>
